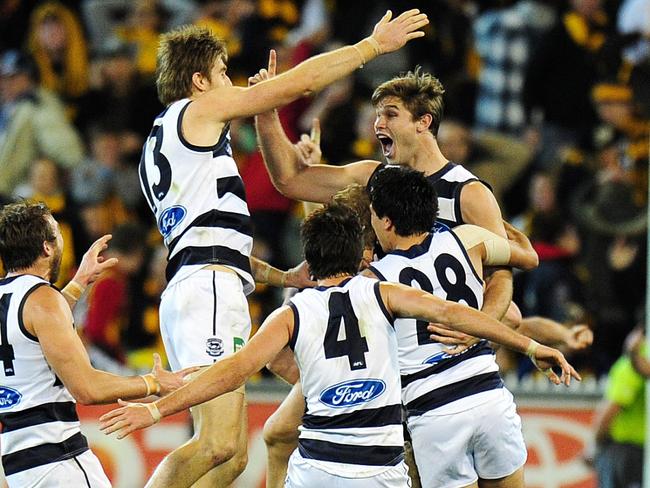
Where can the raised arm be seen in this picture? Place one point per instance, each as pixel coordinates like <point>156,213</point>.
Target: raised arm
<point>294,169</point>
<point>229,102</point>
<point>47,317</point>
<point>222,377</point>
<point>404,301</point>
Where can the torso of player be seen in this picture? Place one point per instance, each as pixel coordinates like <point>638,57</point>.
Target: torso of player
<point>345,346</point>
<point>197,197</point>
<point>430,377</point>
<point>36,409</point>
<point>449,182</point>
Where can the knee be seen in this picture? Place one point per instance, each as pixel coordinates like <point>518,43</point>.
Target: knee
<point>220,452</point>
<point>277,432</point>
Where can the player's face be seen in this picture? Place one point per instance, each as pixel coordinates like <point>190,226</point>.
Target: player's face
<point>396,131</point>
<point>55,259</point>
<point>218,76</point>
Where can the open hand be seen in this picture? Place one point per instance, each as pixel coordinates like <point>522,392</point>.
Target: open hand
<point>393,34</point>
<point>458,341</point>
<point>129,418</point>
<point>169,381</point>
<point>580,337</point>
<point>92,263</point>
<point>299,277</point>
<point>546,357</point>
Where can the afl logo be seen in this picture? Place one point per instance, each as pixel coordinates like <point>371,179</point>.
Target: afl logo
<point>9,397</point>
<point>170,218</point>
<point>352,393</point>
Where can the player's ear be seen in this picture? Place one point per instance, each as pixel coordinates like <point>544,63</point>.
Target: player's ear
<point>199,82</point>
<point>424,123</point>
<point>48,249</point>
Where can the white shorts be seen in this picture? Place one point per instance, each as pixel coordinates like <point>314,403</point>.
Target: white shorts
<point>455,450</point>
<point>82,471</point>
<point>204,318</point>
<point>303,474</point>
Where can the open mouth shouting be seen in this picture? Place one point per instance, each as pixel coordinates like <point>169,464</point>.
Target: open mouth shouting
<point>386,144</point>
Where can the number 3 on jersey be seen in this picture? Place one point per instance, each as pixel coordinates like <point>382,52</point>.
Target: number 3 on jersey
<point>152,156</point>
<point>354,346</point>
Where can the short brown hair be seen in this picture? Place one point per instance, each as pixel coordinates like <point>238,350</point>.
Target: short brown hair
<point>23,229</point>
<point>331,241</point>
<point>356,197</point>
<point>181,53</point>
<point>421,93</point>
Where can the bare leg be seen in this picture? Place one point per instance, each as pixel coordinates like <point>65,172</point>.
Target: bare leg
<point>514,480</point>
<point>218,426</point>
<point>409,458</point>
<point>281,436</point>
<point>224,474</point>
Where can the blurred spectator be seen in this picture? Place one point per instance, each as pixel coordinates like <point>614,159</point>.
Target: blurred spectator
<point>495,158</point>
<point>56,40</point>
<point>32,123</point>
<point>620,425</point>
<point>504,41</point>
<point>559,78</point>
<point>551,288</point>
<point>119,98</point>
<point>135,21</point>
<point>108,302</point>
<point>46,185</point>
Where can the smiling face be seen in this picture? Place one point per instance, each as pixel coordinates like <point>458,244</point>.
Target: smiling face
<point>396,131</point>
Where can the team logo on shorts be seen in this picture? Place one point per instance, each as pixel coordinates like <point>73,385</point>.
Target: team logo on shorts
<point>214,347</point>
<point>9,397</point>
<point>170,218</point>
<point>352,393</point>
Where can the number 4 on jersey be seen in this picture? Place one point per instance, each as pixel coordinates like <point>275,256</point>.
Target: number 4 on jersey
<point>354,346</point>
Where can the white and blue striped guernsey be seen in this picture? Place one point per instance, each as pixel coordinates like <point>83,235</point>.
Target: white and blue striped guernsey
<point>38,415</point>
<point>449,182</point>
<point>198,198</point>
<point>345,346</point>
<point>432,379</point>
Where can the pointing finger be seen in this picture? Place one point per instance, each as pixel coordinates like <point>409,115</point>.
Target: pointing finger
<point>315,132</point>
<point>272,62</point>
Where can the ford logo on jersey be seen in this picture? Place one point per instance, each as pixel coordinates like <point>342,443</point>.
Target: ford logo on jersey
<point>170,219</point>
<point>352,393</point>
<point>9,397</point>
<point>439,356</point>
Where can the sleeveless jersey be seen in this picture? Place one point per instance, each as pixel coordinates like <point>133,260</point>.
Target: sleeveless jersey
<point>37,412</point>
<point>345,346</point>
<point>198,199</point>
<point>448,182</point>
<point>430,377</point>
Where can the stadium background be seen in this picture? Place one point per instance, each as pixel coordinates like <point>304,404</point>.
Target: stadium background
<point>547,101</point>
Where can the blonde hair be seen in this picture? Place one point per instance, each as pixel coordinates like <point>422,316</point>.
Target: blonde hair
<point>356,197</point>
<point>181,53</point>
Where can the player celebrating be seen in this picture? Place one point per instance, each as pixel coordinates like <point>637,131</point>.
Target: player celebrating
<point>44,364</point>
<point>192,185</point>
<point>352,433</point>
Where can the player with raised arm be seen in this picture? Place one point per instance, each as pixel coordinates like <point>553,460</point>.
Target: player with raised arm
<point>193,187</point>
<point>45,367</point>
<point>409,111</point>
<point>352,429</point>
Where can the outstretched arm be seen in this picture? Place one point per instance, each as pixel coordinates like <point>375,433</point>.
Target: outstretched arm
<point>47,317</point>
<point>229,102</point>
<point>404,301</point>
<point>222,377</point>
